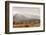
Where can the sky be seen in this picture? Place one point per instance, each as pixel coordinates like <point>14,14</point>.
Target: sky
<point>28,11</point>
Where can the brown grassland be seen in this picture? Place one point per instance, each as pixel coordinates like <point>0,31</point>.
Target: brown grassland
<point>27,23</point>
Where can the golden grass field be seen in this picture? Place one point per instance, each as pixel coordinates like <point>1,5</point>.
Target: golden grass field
<point>27,23</point>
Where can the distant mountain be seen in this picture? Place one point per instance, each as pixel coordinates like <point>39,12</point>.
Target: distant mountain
<point>20,17</point>
<point>35,17</point>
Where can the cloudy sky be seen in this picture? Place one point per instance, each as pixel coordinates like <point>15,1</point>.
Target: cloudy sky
<point>28,11</point>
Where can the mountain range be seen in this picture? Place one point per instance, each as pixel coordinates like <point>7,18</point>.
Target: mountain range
<point>20,17</point>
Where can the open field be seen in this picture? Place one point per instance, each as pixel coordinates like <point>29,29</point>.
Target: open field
<point>27,23</point>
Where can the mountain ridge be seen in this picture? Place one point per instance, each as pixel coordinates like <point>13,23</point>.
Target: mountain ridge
<point>20,17</point>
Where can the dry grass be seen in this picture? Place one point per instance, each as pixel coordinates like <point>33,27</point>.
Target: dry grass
<point>27,23</point>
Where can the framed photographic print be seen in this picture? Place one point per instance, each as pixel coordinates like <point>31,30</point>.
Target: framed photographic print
<point>24,17</point>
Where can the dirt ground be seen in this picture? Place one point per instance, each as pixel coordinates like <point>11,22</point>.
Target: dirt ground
<point>27,23</point>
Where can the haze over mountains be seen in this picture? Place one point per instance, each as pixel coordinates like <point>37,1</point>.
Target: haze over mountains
<point>20,17</point>
<point>26,11</point>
